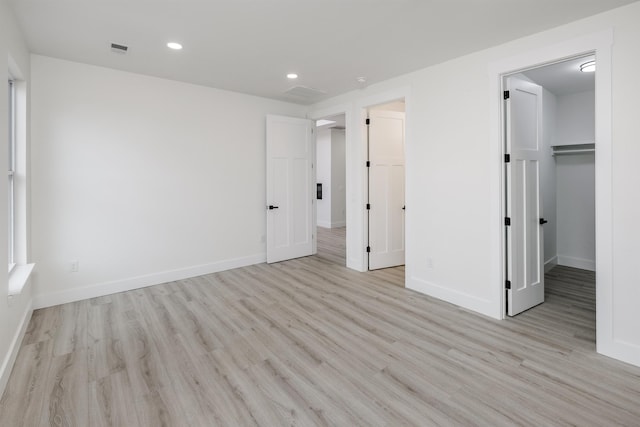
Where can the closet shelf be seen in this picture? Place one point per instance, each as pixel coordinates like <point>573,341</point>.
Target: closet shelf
<point>573,149</point>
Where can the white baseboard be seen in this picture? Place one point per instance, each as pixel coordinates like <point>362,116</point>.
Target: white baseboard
<point>584,264</point>
<point>550,263</point>
<point>12,354</point>
<point>620,350</point>
<point>470,302</point>
<point>107,288</point>
<point>324,224</point>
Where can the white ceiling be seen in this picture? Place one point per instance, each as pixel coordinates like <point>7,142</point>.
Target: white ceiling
<point>249,45</point>
<point>565,77</point>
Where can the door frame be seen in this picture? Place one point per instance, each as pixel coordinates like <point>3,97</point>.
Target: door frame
<point>356,173</point>
<point>348,135</point>
<point>601,44</point>
<point>360,144</point>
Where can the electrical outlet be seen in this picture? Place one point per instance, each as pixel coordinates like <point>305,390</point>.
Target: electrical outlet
<point>263,239</point>
<point>75,266</point>
<point>429,262</point>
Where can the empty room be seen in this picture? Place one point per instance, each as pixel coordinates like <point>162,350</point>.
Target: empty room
<point>340,212</point>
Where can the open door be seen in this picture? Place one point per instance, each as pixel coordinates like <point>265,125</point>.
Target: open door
<point>525,267</point>
<point>386,189</point>
<point>290,196</point>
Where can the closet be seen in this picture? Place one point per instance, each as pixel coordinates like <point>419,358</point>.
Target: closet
<point>567,175</point>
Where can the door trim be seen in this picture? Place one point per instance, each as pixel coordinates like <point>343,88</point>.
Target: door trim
<point>351,235</point>
<point>601,44</point>
<point>360,144</point>
<point>355,113</point>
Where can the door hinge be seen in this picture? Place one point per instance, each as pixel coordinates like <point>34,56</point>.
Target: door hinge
<point>507,284</point>
<point>368,248</point>
<point>505,94</point>
<point>507,221</point>
<point>367,122</point>
<point>368,164</point>
<point>368,206</point>
<point>507,158</point>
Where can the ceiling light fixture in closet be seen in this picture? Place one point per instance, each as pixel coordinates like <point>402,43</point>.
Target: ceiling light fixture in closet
<point>588,67</point>
<point>174,45</point>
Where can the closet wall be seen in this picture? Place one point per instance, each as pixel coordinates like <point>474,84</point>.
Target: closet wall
<point>575,181</point>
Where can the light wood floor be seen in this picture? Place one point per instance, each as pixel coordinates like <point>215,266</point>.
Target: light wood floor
<point>308,342</point>
<point>332,248</point>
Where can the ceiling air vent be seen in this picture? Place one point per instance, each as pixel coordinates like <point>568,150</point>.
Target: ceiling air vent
<point>119,48</point>
<point>304,94</point>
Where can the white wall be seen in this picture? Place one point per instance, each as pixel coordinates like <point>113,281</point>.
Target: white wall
<point>451,177</point>
<point>323,176</point>
<point>576,210</point>
<point>576,118</point>
<point>576,182</point>
<point>142,180</point>
<point>15,311</point>
<point>338,185</point>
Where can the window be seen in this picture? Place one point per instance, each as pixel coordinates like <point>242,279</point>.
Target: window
<point>19,267</point>
<point>12,167</point>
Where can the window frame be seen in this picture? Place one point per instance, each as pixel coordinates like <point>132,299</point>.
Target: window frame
<point>11,223</point>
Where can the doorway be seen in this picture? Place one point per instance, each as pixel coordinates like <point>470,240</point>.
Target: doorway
<point>549,184</point>
<point>386,185</point>
<point>331,198</point>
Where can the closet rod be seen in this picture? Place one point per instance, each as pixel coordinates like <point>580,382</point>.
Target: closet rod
<point>585,150</point>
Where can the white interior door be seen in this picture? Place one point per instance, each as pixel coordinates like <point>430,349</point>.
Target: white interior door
<point>290,196</point>
<point>525,269</point>
<point>386,189</point>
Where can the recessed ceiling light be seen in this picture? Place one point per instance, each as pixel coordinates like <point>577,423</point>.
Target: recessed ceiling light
<point>588,67</point>
<point>174,45</point>
<point>292,76</point>
<point>361,79</point>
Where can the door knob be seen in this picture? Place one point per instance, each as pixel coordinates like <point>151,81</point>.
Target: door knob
<point>543,221</point>
<point>271,207</point>
<point>403,208</point>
